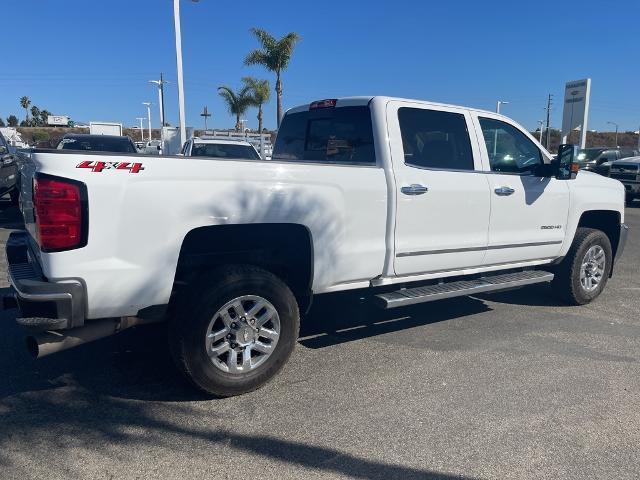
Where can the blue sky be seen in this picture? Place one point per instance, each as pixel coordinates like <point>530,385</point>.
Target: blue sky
<point>92,59</point>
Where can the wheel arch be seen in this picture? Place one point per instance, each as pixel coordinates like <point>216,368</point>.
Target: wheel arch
<point>284,249</point>
<point>608,221</point>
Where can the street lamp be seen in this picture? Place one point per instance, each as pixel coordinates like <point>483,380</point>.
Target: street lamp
<point>498,104</point>
<point>148,105</point>
<point>540,125</point>
<point>614,123</point>
<point>176,22</point>
<point>160,83</point>
<point>141,128</point>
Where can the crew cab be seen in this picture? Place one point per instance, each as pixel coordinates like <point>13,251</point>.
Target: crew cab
<point>410,201</point>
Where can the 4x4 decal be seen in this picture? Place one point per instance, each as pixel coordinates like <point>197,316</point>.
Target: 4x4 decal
<point>100,166</point>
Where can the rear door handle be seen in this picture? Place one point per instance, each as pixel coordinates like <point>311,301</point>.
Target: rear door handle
<point>414,189</point>
<point>504,191</point>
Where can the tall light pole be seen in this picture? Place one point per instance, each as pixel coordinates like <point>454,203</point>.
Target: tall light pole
<point>499,103</point>
<point>148,104</point>
<point>540,124</point>
<point>176,22</point>
<point>141,128</point>
<point>614,123</point>
<point>160,83</point>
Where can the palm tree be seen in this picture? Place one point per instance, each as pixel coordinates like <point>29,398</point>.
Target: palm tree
<point>237,102</point>
<point>24,103</point>
<point>44,116</point>
<point>259,93</point>
<point>35,116</point>
<point>274,55</point>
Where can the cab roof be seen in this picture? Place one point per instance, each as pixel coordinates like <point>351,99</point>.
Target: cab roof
<point>365,100</point>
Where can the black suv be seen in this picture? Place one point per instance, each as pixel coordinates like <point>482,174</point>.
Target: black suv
<point>8,172</point>
<point>598,159</point>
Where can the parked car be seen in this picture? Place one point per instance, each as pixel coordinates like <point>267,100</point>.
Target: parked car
<point>598,159</point>
<point>153,147</point>
<point>219,148</point>
<point>97,143</point>
<point>8,171</point>
<point>627,171</point>
<point>409,200</point>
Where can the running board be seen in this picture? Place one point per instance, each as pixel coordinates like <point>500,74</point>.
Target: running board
<point>461,288</point>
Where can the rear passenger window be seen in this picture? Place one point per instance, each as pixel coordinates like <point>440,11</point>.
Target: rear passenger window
<point>334,135</point>
<point>435,139</point>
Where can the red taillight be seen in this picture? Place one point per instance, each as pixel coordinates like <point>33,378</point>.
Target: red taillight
<point>328,103</point>
<point>59,213</point>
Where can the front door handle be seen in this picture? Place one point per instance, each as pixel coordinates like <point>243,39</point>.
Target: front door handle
<point>504,191</point>
<point>414,189</point>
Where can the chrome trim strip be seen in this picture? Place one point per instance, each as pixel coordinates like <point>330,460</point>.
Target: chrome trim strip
<point>477,249</point>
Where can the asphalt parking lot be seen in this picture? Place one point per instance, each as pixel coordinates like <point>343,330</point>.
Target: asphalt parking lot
<point>509,385</point>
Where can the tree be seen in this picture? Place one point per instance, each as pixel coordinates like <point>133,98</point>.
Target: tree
<point>1,122</point>
<point>274,55</point>
<point>24,103</point>
<point>12,121</point>
<point>259,93</point>
<point>237,102</point>
<point>44,116</point>
<point>35,116</point>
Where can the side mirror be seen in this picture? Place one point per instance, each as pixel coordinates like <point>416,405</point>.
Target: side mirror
<point>567,167</point>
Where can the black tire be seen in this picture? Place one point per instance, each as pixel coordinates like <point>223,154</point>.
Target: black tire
<point>566,283</point>
<point>628,198</point>
<point>188,328</point>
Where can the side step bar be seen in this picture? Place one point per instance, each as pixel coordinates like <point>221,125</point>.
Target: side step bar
<point>461,288</point>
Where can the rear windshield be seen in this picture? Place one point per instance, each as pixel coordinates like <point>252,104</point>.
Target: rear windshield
<point>98,143</point>
<point>224,151</point>
<point>334,135</point>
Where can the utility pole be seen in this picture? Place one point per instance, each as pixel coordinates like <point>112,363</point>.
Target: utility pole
<point>141,128</point>
<point>148,105</point>
<point>548,109</point>
<point>205,113</point>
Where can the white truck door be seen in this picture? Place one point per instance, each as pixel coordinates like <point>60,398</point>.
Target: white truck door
<point>443,202</point>
<point>528,212</point>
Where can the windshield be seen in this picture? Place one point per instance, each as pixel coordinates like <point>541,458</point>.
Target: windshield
<point>98,143</point>
<point>589,154</point>
<point>222,150</point>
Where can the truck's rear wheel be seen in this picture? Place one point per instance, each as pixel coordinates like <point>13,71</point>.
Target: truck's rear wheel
<point>583,273</point>
<point>236,332</point>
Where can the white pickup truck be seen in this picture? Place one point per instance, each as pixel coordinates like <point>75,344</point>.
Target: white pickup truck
<point>414,201</point>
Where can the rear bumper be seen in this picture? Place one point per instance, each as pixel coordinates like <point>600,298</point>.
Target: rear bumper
<point>42,304</point>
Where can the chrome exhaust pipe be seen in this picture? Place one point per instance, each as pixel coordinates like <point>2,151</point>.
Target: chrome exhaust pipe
<point>46,343</point>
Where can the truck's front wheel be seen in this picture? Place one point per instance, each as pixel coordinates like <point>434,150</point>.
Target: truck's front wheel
<point>583,273</point>
<point>236,332</point>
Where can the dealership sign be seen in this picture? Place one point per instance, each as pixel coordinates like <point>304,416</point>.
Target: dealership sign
<point>576,109</point>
